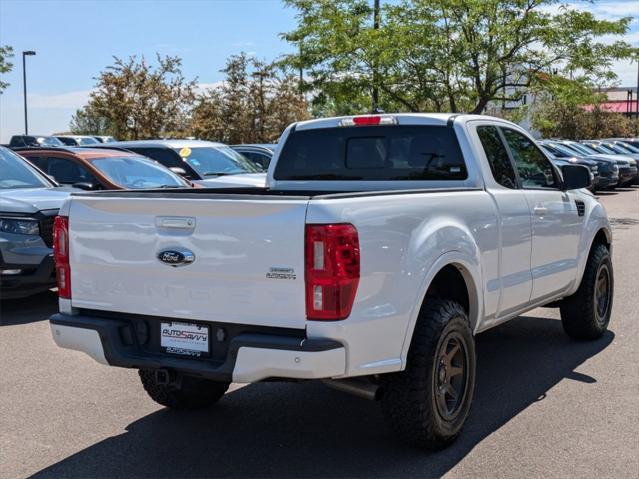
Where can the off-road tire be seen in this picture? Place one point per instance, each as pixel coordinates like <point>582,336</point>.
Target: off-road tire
<point>581,315</point>
<point>409,397</point>
<point>189,393</point>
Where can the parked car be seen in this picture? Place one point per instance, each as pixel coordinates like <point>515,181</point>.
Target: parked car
<point>610,146</point>
<point>34,140</point>
<point>631,144</point>
<point>623,153</point>
<point>626,171</point>
<point>259,154</point>
<point>630,141</point>
<point>102,169</point>
<point>560,160</point>
<point>381,246</point>
<point>607,169</point>
<point>77,140</point>
<point>209,164</point>
<point>29,202</point>
<point>105,139</point>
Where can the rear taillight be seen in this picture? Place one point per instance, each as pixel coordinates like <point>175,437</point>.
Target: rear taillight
<point>61,255</point>
<point>332,271</point>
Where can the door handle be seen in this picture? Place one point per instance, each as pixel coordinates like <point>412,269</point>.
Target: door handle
<point>540,210</point>
<point>175,222</point>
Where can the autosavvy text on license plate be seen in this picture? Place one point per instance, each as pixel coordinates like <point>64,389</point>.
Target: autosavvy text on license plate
<point>185,338</point>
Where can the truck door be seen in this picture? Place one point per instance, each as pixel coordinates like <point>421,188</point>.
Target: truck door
<point>511,290</point>
<point>556,224</point>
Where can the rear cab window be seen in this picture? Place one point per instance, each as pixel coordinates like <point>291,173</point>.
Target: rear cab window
<point>164,156</point>
<point>372,153</point>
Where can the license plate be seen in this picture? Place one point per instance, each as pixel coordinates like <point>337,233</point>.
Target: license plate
<point>184,338</point>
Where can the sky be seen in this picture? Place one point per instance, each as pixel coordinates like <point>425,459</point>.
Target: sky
<point>75,40</point>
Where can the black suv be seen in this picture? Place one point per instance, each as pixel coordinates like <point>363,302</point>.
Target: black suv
<point>34,140</point>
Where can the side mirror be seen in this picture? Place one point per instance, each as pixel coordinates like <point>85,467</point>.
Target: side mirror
<point>576,176</point>
<point>85,186</point>
<point>177,170</point>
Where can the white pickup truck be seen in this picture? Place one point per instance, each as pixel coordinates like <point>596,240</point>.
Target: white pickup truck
<point>381,246</point>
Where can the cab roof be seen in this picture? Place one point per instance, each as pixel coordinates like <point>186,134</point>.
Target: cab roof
<point>401,118</point>
<point>82,152</point>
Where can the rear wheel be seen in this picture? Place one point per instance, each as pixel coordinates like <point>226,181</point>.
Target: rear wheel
<point>586,314</point>
<point>427,404</point>
<point>182,392</point>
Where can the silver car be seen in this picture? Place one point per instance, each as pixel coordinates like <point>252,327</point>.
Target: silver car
<point>29,203</point>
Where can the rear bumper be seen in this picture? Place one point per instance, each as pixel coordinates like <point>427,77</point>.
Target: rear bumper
<point>246,357</point>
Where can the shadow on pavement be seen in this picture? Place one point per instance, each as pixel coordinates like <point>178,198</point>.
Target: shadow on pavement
<point>307,430</point>
<point>617,190</point>
<point>27,310</point>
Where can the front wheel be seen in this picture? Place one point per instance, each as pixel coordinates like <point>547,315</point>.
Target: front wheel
<point>427,404</point>
<point>586,314</point>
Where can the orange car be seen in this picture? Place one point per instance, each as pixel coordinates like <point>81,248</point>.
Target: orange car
<point>102,169</point>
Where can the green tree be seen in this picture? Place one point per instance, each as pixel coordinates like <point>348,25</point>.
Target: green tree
<point>6,52</point>
<point>85,121</point>
<point>254,104</point>
<point>453,55</point>
<point>138,100</point>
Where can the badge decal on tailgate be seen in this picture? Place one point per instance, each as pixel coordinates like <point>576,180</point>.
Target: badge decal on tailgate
<point>176,257</point>
<point>281,273</point>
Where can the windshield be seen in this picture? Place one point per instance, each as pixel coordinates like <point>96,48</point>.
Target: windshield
<point>584,149</point>
<point>602,149</point>
<point>618,149</point>
<point>15,173</point>
<point>565,151</point>
<point>629,147</point>
<point>135,172</point>
<point>48,141</point>
<point>216,161</point>
<point>88,141</point>
<point>551,150</point>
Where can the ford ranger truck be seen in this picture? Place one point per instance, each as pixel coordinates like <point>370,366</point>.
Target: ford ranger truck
<point>380,247</point>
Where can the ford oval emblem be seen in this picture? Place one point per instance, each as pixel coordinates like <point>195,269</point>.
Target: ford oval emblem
<point>176,257</point>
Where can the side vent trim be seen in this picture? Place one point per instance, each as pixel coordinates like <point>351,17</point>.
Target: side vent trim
<point>581,207</point>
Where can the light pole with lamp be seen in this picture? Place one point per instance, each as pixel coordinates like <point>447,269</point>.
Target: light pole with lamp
<point>24,81</point>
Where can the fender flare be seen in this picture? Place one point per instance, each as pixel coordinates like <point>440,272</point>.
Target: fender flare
<point>585,253</point>
<point>471,273</point>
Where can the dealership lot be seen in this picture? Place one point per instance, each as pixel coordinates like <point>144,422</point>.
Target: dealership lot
<point>545,406</point>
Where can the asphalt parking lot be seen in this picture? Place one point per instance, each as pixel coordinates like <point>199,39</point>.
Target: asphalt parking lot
<point>546,406</point>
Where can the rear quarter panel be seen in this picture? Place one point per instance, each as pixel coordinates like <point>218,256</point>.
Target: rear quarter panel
<point>403,238</point>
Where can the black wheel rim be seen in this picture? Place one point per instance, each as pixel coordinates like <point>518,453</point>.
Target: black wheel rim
<point>451,376</point>
<point>602,293</point>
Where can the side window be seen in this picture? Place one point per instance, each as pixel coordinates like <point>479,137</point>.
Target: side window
<point>68,172</point>
<point>534,168</point>
<point>257,158</point>
<point>500,165</point>
<point>38,161</point>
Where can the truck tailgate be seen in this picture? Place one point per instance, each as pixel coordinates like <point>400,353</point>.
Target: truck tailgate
<point>248,266</point>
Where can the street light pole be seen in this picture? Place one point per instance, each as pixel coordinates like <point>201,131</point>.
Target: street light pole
<point>24,82</point>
